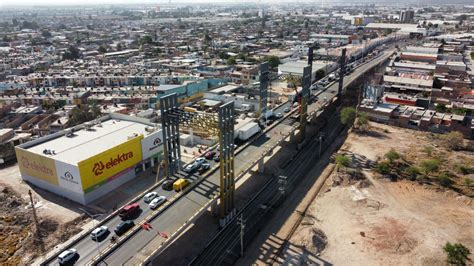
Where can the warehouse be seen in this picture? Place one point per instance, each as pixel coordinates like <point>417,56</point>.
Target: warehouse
<point>88,161</point>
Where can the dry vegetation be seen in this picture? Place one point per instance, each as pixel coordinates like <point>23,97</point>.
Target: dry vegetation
<point>390,215</point>
<point>19,243</point>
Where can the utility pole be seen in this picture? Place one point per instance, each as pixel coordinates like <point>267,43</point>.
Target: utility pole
<point>35,218</point>
<point>241,222</point>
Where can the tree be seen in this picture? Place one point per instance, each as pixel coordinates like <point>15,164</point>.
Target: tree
<point>102,49</point>
<point>456,253</point>
<point>45,33</point>
<point>72,53</point>
<point>441,107</point>
<point>362,121</point>
<point>392,155</point>
<point>146,40</point>
<point>342,161</point>
<point>348,115</point>
<point>119,47</point>
<point>431,165</point>
<point>83,113</point>
<point>320,74</point>
<point>231,61</point>
<point>454,140</point>
<point>273,61</point>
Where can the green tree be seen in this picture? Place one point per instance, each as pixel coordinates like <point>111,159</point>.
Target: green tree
<point>348,115</point>
<point>456,253</point>
<point>231,61</point>
<point>430,166</point>
<point>342,161</point>
<point>72,53</point>
<point>45,33</point>
<point>146,40</point>
<point>392,155</point>
<point>102,49</point>
<point>441,108</point>
<point>362,121</point>
<point>320,74</point>
<point>119,47</point>
<point>273,61</point>
<point>83,113</point>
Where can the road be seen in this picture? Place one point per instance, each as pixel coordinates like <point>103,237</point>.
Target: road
<point>181,209</point>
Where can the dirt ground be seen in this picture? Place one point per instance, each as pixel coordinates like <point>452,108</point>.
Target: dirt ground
<point>379,222</point>
<point>59,219</point>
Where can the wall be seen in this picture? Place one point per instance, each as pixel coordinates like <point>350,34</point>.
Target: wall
<point>69,177</point>
<point>106,166</point>
<point>37,166</point>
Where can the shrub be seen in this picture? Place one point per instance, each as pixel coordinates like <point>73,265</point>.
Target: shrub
<point>342,161</point>
<point>413,171</point>
<point>454,140</point>
<point>392,155</point>
<point>463,169</point>
<point>428,150</point>
<point>444,180</point>
<point>430,166</point>
<point>456,253</point>
<point>467,182</point>
<point>348,115</point>
<point>383,168</point>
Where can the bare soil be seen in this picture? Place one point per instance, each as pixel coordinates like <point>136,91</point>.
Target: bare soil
<point>369,220</point>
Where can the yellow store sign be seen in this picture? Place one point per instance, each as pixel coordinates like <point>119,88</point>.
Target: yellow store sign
<point>37,166</point>
<point>108,164</point>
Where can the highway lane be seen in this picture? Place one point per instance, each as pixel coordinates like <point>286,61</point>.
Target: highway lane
<point>135,250</point>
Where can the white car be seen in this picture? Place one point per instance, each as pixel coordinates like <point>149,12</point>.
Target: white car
<point>99,232</point>
<point>150,196</point>
<point>157,202</point>
<point>67,256</point>
<point>279,115</point>
<point>200,161</point>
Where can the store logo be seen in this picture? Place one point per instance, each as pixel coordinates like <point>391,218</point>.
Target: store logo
<point>68,177</point>
<point>26,163</point>
<point>100,166</point>
<point>156,142</point>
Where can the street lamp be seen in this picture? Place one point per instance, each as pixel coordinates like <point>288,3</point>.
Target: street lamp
<point>93,216</point>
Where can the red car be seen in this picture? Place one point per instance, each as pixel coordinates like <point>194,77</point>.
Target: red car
<point>128,211</point>
<point>209,155</point>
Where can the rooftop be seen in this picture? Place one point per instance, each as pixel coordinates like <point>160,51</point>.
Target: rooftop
<point>87,143</point>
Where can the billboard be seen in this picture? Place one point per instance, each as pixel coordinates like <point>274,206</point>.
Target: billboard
<point>37,166</point>
<point>152,144</point>
<point>104,166</point>
<point>68,176</point>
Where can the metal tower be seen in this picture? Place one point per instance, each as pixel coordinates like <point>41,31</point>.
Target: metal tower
<point>170,127</point>
<point>306,83</point>
<point>263,90</point>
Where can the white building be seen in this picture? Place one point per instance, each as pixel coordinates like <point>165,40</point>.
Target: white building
<point>89,161</point>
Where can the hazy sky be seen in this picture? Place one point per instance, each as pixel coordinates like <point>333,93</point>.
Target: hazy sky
<point>95,2</point>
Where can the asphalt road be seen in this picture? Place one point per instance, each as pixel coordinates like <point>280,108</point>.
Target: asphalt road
<point>138,247</point>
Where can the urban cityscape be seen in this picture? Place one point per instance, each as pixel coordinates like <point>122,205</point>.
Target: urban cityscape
<point>236,133</point>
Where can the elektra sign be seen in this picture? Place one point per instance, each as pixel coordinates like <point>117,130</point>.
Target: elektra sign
<point>100,166</point>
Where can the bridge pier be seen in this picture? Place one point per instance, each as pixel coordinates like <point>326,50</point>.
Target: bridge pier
<point>261,166</point>
<point>214,209</point>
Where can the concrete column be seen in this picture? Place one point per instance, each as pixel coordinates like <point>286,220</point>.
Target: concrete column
<point>261,166</point>
<point>292,136</point>
<point>152,162</point>
<point>143,167</point>
<point>214,209</point>
<point>192,136</point>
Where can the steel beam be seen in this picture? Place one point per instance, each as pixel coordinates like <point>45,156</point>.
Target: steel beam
<point>263,90</point>
<point>170,127</point>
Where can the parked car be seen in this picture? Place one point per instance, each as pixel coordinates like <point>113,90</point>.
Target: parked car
<point>287,109</point>
<point>129,211</point>
<point>99,232</point>
<point>200,161</point>
<point>167,185</point>
<point>278,115</point>
<point>190,168</point>
<point>150,196</point>
<point>204,167</point>
<point>67,256</point>
<point>123,227</point>
<point>209,155</point>
<point>157,202</point>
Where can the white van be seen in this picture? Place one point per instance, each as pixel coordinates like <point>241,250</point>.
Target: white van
<point>67,256</point>
<point>98,232</point>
